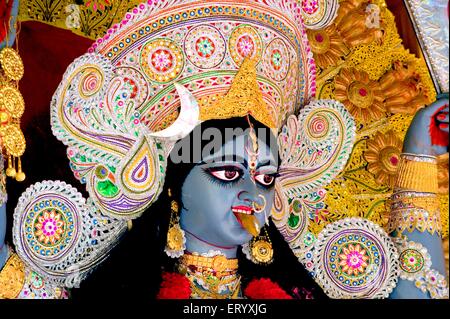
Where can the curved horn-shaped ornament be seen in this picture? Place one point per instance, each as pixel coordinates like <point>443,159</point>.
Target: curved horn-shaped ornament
<point>186,121</point>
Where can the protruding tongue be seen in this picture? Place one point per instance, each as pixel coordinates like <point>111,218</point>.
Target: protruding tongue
<point>250,223</point>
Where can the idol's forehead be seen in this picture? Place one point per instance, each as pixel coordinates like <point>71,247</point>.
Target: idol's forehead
<point>236,149</point>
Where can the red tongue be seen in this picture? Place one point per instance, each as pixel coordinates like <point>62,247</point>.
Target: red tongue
<point>249,223</point>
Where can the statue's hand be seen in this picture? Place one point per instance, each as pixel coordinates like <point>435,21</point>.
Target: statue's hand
<point>428,132</point>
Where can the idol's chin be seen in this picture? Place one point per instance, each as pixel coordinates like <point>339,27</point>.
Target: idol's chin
<point>249,222</point>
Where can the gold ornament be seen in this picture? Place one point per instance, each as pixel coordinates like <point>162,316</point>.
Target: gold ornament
<point>218,263</point>
<point>175,238</point>
<point>175,235</point>
<point>417,176</point>
<point>12,278</point>
<point>383,157</point>
<point>361,96</point>
<point>243,98</point>
<point>11,64</point>
<point>414,211</point>
<point>12,101</point>
<point>402,88</point>
<point>261,249</point>
<point>10,171</point>
<point>327,46</point>
<point>13,139</point>
<point>20,175</point>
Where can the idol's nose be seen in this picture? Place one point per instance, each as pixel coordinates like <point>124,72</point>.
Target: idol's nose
<point>251,196</point>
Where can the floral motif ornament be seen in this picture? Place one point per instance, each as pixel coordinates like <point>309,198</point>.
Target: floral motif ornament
<point>49,227</point>
<point>327,46</point>
<point>383,157</point>
<point>122,167</point>
<point>319,141</point>
<point>60,236</point>
<point>355,258</point>
<point>318,14</point>
<point>362,97</point>
<point>415,265</point>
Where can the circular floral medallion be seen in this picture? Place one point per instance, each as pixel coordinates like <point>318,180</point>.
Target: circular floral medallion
<point>162,60</point>
<point>12,101</point>
<point>48,223</point>
<point>355,258</point>
<point>245,42</point>
<point>205,47</point>
<point>360,95</point>
<point>411,261</point>
<point>12,64</point>
<point>414,259</point>
<point>277,60</point>
<point>327,46</point>
<point>383,157</point>
<point>318,14</point>
<point>49,227</point>
<point>13,139</point>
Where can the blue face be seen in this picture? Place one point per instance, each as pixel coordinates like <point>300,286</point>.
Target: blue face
<point>218,195</point>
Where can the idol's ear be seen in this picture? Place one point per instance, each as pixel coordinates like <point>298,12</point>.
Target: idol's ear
<point>314,148</point>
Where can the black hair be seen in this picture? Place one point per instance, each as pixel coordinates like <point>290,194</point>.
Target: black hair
<point>134,267</point>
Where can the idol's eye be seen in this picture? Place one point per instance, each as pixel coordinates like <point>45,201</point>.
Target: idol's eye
<point>265,179</point>
<point>227,174</point>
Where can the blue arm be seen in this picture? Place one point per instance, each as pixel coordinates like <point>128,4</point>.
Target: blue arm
<point>419,141</point>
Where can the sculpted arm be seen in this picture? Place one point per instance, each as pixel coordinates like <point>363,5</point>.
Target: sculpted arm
<point>415,213</point>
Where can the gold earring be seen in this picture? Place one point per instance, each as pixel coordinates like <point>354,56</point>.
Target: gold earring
<point>259,208</point>
<point>261,249</point>
<point>176,240</point>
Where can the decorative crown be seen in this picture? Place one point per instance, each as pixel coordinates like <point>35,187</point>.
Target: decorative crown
<point>244,97</point>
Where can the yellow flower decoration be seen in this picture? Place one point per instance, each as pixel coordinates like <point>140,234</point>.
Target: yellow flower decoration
<point>383,157</point>
<point>49,227</point>
<point>353,260</point>
<point>362,96</point>
<point>327,46</point>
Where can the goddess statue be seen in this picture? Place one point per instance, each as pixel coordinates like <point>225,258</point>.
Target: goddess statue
<point>195,128</point>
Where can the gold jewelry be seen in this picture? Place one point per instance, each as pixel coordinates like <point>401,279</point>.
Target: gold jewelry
<point>175,245</point>
<point>259,209</point>
<point>244,98</point>
<point>411,211</point>
<point>261,249</point>
<point>417,173</point>
<point>12,278</point>
<point>208,286</point>
<point>12,101</point>
<point>12,106</point>
<point>12,64</point>
<point>218,263</point>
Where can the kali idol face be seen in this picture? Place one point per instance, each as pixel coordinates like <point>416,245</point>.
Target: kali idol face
<point>227,197</point>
